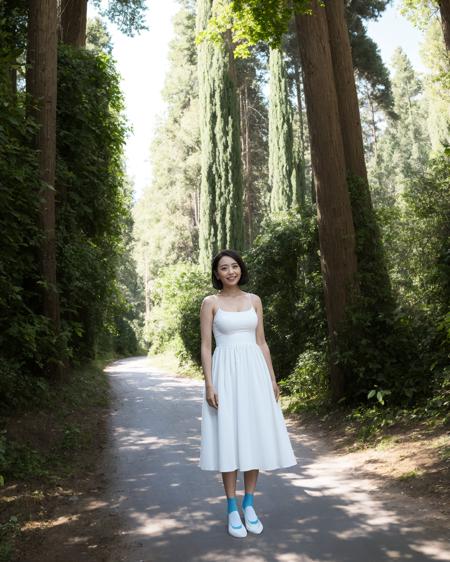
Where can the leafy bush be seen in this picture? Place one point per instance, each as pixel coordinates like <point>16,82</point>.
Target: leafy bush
<point>284,270</point>
<point>308,383</point>
<point>175,324</point>
<point>394,354</point>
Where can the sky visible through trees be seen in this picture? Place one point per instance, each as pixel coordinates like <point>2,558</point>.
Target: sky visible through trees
<point>143,73</point>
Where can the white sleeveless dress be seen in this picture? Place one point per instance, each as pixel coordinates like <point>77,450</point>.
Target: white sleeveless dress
<point>247,430</point>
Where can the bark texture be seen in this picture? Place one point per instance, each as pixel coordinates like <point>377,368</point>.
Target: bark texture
<point>444,8</point>
<point>42,86</point>
<point>73,22</point>
<point>335,221</point>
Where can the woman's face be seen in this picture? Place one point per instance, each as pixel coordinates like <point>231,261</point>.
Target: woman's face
<point>228,271</point>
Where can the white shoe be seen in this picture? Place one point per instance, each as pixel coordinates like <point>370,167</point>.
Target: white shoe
<point>252,523</point>
<point>235,526</point>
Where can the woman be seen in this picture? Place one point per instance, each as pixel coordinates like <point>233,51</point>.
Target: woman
<point>242,423</point>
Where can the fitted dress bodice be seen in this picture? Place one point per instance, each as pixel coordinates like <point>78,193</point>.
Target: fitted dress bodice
<point>235,327</point>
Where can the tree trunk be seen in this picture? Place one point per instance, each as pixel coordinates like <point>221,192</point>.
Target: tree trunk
<point>146,286</point>
<point>350,120</point>
<point>444,8</point>
<point>301,168</point>
<point>335,221</point>
<point>13,75</point>
<point>41,85</point>
<point>73,22</point>
<point>372,266</point>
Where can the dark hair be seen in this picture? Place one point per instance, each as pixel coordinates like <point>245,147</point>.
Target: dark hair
<point>217,283</point>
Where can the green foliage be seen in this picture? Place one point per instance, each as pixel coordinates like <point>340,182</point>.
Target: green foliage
<point>92,208</point>
<point>427,199</point>
<point>128,15</point>
<point>24,462</point>
<point>25,337</point>
<point>403,149</point>
<point>281,158</point>
<point>380,352</point>
<point>93,202</point>
<point>419,12</point>
<point>8,532</point>
<point>308,384</point>
<point>254,137</point>
<point>98,37</point>
<point>373,277</point>
<point>251,21</point>
<point>175,323</point>
<point>13,24</point>
<point>366,55</point>
<point>436,83</point>
<point>221,189</point>
<point>285,272</point>
<point>428,232</point>
<point>401,358</point>
<point>371,421</point>
<point>37,454</point>
<point>376,345</point>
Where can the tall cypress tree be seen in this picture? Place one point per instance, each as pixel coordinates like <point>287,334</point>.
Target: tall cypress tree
<point>283,190</point>
<point>221,191</point>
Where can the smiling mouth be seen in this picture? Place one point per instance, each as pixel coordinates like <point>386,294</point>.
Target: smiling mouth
<point>231,278</point>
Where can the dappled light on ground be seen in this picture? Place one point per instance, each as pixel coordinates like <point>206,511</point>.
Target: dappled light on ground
<point>318,511</point>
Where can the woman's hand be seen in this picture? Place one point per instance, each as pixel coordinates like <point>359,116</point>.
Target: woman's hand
<point>211,396</point>
<point>276,390</point>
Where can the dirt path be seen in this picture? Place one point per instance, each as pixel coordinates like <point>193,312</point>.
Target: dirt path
<point>152,503</point>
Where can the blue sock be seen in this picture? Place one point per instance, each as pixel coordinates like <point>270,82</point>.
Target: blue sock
<point>248,500</point>
<point>232,505</point>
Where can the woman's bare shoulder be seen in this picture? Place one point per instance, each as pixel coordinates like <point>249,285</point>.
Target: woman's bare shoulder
<point>208,302</point>
<point>255,298</point>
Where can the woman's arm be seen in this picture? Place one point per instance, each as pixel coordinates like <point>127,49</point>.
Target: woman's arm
<point>261,341</point>
<point>206,319</point>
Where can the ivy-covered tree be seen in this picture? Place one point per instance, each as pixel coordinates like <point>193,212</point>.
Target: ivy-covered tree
<point>93,197</point>
<point>41,84</point>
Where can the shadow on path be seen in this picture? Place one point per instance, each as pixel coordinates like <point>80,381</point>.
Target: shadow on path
<point>169,508</point>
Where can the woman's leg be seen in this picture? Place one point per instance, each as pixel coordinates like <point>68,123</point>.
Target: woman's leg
<point>250,479</point>
<point>229,483</point>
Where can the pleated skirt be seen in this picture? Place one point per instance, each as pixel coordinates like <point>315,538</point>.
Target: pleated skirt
<point>247,431</point>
